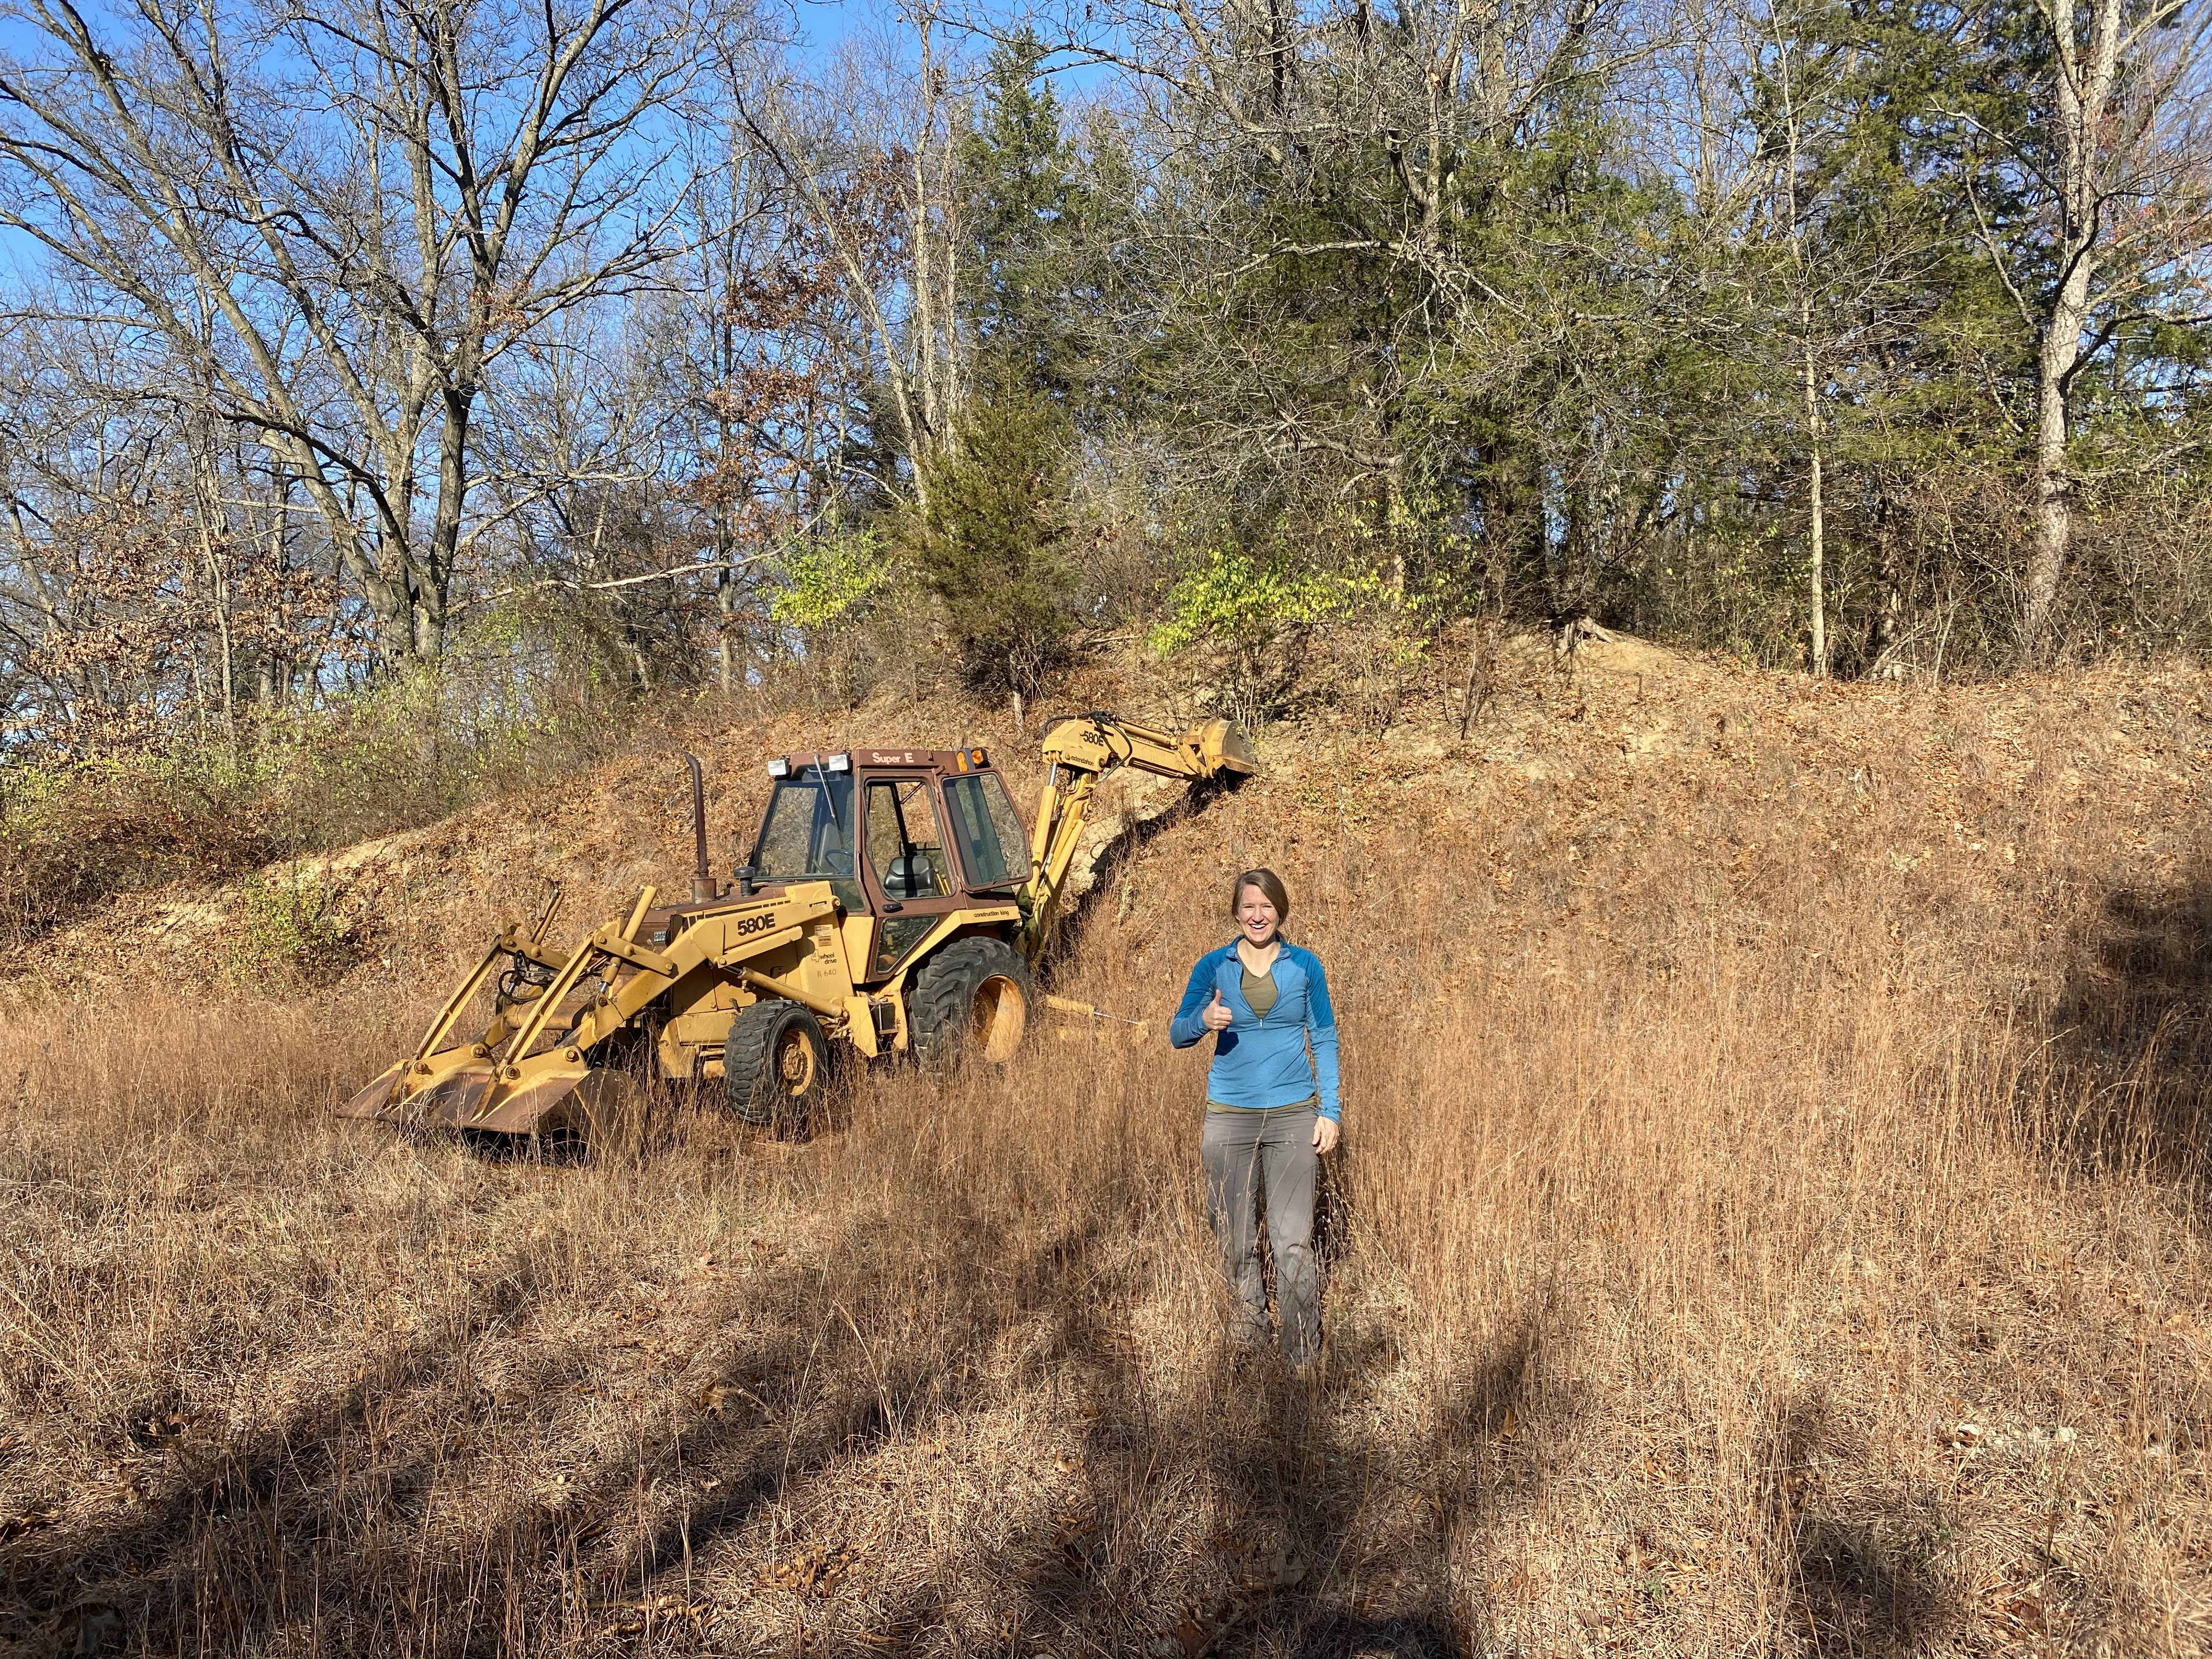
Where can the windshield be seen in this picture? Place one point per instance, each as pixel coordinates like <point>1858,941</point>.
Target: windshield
<point>807,833</point>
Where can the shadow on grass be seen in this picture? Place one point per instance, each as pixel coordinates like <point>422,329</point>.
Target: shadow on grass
<point>207,1566</point>
<point>370,1523</point>
<point>1861,1583</point>
<point>2132,1053</point>
<point>1327,1540</point>
<point>389,1520</point>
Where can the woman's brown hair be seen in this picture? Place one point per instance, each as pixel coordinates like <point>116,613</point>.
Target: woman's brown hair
<point>1271,887</point>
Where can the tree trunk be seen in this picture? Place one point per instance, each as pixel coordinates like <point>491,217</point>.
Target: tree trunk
<point>434,569</point>
<point>725,593</point>
<point>2054,507</point>
<point>2083,91</point>
<point>1819,527</point>
<point>214,559</point>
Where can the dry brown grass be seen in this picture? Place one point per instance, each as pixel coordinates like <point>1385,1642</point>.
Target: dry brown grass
<point>1773,1184</point>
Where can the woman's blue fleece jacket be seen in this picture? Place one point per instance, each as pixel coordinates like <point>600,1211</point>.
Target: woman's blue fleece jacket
<point>1263,1062</point>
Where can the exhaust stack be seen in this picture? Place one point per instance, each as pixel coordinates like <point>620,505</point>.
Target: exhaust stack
<point>702,878</point>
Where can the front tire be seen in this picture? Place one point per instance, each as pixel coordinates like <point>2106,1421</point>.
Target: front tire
<point>776,1063</point>
<point>972,999</point>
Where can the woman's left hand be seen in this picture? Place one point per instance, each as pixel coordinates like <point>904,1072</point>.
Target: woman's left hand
<point>1325,1133</point>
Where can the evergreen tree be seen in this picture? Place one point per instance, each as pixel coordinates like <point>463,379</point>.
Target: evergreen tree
<point>1027,205</point>
<point>991,544</point>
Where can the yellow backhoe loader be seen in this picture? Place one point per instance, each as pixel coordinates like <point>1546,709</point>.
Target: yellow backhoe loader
<point>892,904</point>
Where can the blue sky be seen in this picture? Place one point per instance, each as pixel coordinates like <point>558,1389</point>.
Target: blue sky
<point>824,24</point>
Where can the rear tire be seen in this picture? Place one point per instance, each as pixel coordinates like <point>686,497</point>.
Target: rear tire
<point>776,1063</point>
<point>972,999</point>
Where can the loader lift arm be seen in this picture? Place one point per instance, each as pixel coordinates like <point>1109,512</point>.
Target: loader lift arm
<point>1081,750</point>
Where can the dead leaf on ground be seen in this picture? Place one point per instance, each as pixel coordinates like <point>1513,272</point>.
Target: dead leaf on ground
<point>633,1617</point>
<point>716,1396</point>
<point>2018,1609</point>
<point>1518,1585</point>
<point>164,1427</point>
<point>560,1492</point>
<point>33,1519</point>
<point>1068,1525</point>
<point>816,1574</point>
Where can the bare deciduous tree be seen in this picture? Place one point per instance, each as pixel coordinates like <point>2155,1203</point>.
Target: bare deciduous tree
<point>372,202</point>
<point>2119,155</point>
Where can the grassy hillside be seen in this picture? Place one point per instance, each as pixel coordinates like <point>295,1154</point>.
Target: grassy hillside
<point>1769,1221</point>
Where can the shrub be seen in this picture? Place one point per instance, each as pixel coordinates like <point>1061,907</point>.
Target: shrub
<point>71,835</point>
<point>1259,614</point>
<point>835,583</point>
<point>286,931</point>
<point>404,750</point>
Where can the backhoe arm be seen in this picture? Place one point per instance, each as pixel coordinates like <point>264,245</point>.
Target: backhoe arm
<point>1079,751</point>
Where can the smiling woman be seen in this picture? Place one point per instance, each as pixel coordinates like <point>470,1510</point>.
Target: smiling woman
<point>1272,1109</point>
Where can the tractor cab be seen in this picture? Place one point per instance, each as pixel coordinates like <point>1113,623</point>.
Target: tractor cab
<point>902,835</point>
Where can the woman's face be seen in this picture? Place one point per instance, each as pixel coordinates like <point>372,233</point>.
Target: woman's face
<point>1255,915</point>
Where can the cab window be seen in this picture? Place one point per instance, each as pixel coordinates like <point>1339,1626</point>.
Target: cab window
<point>807,834</point>
<point>905,850</point>
<point>992,849</point>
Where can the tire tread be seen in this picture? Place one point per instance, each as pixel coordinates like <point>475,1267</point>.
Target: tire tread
<point>748,1053</point>
<point>944,993</point>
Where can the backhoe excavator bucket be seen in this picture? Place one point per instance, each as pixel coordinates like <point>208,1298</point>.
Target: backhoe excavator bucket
<point>1223,747</point>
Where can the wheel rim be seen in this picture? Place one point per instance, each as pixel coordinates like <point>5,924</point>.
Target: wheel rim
<point>1001,1013</point>
<point>795,1063</point>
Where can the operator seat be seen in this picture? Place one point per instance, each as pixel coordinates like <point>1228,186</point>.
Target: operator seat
<point>911,878</point>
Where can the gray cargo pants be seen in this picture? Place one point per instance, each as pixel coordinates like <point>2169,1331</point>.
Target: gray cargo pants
<point>1248,1153</point>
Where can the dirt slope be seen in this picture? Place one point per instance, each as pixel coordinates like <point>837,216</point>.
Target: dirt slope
<point>1619,739</point>
<point>423,900</point>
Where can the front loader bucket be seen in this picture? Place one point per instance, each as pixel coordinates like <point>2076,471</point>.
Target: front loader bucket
<point>372,1101</point>
<point>561,1099</point>
<point>574,1100</point>
<point>504,1083</point>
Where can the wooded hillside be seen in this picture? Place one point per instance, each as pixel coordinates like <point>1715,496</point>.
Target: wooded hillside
<point>628,345</point>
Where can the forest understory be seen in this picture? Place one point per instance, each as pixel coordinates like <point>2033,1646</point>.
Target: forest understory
<point>1770,1220</point>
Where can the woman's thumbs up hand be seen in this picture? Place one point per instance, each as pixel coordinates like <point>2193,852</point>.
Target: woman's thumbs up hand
<point>1217,1015</point>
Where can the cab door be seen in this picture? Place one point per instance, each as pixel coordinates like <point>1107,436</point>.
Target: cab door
<point>906,867</point>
